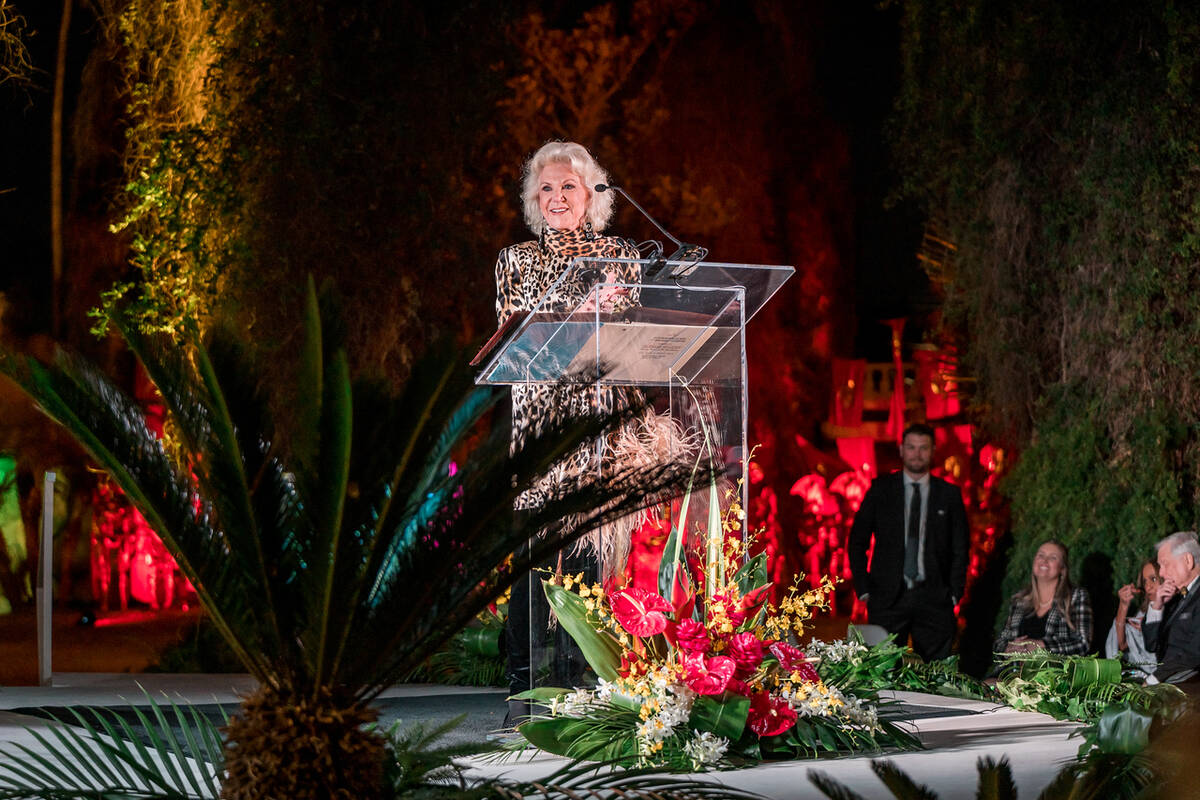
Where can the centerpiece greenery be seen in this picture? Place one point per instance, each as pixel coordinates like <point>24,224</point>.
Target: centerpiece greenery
<point>1080,688</point>
<point>852,666</point>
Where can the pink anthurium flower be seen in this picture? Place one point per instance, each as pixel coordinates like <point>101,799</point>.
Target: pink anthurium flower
<point>708,675</point>
<point>806,673</point>
<point>791,659</point>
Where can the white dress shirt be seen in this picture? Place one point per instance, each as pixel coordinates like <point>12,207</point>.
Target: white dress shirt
<point>923,484</point>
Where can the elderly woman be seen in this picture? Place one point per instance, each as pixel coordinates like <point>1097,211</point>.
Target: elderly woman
<point>1125,637</point>
<point>568,218</point>
<point>1049,614</point>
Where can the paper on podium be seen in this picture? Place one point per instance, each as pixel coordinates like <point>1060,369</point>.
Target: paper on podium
<point>640,352</point>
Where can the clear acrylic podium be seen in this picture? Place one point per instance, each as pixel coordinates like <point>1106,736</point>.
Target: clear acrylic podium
<point>682,343</point>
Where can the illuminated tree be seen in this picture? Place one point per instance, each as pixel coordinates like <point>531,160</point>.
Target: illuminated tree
<point>266,141</point>
<point>15,66</point>
<point>599,81</point>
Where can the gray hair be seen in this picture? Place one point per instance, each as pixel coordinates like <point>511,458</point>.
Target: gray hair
<point>1182,542</point>
<point>600,205</point>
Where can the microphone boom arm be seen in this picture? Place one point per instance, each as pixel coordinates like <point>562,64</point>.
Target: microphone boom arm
<point>692,252</point>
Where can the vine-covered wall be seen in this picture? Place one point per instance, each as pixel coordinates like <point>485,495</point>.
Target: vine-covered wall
<point>1058,146</point>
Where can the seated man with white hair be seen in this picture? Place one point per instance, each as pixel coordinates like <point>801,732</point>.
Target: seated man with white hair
<point>1172,624</point>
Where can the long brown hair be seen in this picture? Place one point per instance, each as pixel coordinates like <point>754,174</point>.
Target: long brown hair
<point>1062,592</point>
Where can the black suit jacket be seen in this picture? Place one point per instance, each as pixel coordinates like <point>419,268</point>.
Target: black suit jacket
<point>947,540</point>
<point>1176,637</point>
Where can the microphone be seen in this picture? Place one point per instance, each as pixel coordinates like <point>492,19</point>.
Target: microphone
<point>684,252</point>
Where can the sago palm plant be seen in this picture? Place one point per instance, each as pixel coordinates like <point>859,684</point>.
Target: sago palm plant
<point>337,565</point>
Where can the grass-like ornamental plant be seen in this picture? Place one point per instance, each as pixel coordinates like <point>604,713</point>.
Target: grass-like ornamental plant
<point>337,564</point>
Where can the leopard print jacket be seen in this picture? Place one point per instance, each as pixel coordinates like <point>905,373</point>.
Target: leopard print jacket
<point>524,272</point>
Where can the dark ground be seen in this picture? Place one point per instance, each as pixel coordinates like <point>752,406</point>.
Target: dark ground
<point>127,641</point>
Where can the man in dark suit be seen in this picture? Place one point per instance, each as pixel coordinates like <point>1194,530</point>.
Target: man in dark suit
<point>1172,624</point>
<point>918,569</point>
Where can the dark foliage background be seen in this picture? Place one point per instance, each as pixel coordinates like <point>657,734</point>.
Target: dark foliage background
<point>1056,145</point>
<point>220,150</point>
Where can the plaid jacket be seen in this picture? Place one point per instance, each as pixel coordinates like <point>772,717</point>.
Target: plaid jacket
<point>1060,638</point>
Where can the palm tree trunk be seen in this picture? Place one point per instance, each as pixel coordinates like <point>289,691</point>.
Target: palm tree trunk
<point>288,743</point>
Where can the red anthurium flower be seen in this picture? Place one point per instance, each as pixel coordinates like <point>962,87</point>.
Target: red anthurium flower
<point>739,687</point>
<point>746,650</point>
<point>640,612</point>
<point>708,675</point>
<point>806,673</point>
<point>770,716</point>
<point>789,657</point>
<point>691,636</point>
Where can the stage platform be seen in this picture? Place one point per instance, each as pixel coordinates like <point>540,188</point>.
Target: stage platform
<point>956,733</point>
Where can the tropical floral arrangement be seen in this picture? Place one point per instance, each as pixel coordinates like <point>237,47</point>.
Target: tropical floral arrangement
<point>703,673</point>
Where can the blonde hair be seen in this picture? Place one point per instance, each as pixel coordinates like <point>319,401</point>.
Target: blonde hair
<point>600,204</point>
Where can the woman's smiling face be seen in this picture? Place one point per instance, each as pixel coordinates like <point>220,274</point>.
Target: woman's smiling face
<point>562,196</point>
<point>1048,563</point>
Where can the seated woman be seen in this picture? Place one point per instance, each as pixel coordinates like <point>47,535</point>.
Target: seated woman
<point>1049,614</point>
<point>1125,637</point>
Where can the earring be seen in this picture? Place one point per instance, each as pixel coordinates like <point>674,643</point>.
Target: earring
<point>588,232</point>
<point>542,239</point>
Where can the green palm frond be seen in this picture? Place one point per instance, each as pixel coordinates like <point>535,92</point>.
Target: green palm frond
<point>461,579</point>
<point>1080,688</point>
<point>941,677</point>
<point>587,781</point>
<point>996,780</point>
<point>96,752</point>
<point>424,769</point>
<point>418,760</point>
<point>458,664</point>
<point>899,784</point>
<point>1063,787</point>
